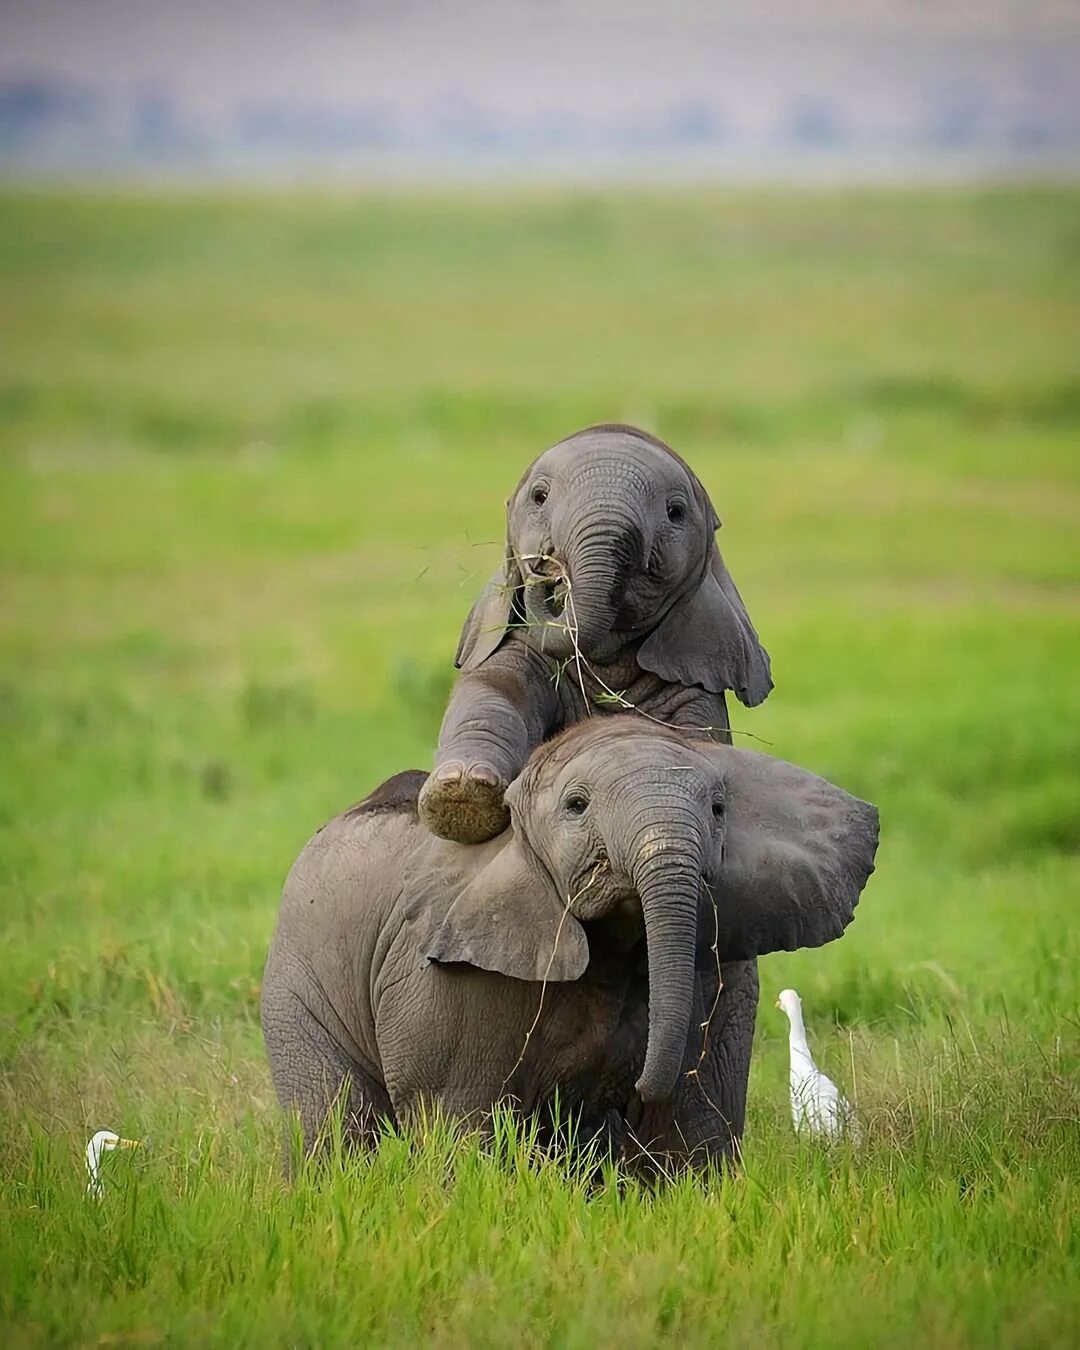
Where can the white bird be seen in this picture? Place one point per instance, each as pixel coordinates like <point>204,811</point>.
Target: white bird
<point>103,1142</point>
<point>817,1105</point>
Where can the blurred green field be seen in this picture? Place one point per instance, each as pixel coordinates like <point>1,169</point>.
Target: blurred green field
<point>253,451</point>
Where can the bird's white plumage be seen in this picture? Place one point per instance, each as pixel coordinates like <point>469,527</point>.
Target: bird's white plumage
<point>817,1105</point>
<point>101,1143</point>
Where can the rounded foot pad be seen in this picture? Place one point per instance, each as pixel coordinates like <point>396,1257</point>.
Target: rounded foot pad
<point>464,804</point>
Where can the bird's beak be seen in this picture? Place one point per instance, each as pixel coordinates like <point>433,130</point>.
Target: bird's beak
<point>776,1004</point>
<point>128,1143</point>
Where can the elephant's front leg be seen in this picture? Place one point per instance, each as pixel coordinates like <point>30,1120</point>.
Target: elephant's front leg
<point>713,1108</point>
<point>703,1122</point>
<point>496,716</point>
<point>452,1042</point>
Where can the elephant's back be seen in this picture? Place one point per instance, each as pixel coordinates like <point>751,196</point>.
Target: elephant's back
<point>349,871</point>
<point>338,911</point>
<point>398,795</point>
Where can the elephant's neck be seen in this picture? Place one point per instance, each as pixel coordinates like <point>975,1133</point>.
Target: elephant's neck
<point>603,685</point>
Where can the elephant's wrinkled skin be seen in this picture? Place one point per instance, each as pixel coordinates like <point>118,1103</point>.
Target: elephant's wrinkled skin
<point>613,593</point>
<point>577,954</point>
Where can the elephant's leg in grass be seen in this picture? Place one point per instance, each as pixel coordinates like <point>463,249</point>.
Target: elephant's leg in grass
<point>472,1109</point>
<point>703,1122</point>
<point>452,1042</point>
<point>315,1077</point>
<point>712,1112</point>
<point>496,715</point>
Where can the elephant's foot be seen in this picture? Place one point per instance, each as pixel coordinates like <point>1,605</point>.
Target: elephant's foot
<point>464,803</point>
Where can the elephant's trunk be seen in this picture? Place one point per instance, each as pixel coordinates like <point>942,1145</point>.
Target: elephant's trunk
<point>589,612</point>
<point>597,556</point>
<point>668,880</point>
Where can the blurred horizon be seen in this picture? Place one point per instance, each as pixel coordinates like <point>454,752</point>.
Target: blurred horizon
<point>361,90</point>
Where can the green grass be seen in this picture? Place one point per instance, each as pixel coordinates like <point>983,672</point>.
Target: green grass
<point>252,456</point>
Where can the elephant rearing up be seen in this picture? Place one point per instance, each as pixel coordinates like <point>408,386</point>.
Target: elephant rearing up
<point>613,595</point>
<point>600,952</point>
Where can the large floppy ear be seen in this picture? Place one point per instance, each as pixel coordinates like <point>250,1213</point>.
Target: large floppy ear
<point>488,621</point>
<point>491,616</point>
<point>507,916</point>
<point>797,852</point>
<point>707,638</point>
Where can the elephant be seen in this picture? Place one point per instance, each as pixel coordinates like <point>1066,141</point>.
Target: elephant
<point>593,966</point>
<point>612,595</point>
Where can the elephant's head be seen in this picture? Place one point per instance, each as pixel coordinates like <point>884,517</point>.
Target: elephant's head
<point>619,817</point>
<point>610,539</point>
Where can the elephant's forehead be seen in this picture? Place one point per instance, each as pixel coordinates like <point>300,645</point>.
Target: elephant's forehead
<point>612,754</point>
<point>614,454</point>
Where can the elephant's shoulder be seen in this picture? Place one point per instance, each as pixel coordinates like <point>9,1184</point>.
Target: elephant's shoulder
<point>355,843</point>
<point>399,794</point>
<point>355,859</point>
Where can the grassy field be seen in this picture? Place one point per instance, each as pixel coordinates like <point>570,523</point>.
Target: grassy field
<point>253,452</point>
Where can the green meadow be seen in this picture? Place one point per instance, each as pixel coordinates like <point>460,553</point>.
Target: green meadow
<point>253,455</point>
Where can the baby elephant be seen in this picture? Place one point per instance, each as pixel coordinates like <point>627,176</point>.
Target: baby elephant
<point>594,964</point>
<point>613,595</point>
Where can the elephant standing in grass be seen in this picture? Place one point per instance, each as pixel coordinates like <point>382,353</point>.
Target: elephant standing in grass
<point>613,595</point>
<point>593,964</point>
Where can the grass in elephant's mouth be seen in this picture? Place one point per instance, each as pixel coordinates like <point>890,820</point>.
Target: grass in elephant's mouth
<point>547,575</point>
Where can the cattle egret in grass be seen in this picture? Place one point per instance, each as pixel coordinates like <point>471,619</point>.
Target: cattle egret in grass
<point>103,1142</point>
<point>817,1105</point>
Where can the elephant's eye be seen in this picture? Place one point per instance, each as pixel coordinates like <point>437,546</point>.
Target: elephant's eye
<point>676,512</point>
<point>718,810</point>
<point>540,494</point>
<point>576,804</point>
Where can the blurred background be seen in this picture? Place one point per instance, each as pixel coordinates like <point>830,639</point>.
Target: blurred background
<point>365,90</point>
<point>289,297</point>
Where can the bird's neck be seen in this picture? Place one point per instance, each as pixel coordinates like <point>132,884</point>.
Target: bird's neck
<point>797,1034</point>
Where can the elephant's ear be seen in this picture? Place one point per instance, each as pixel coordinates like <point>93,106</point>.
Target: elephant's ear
<point>489,619</point>
<point>707,638</point>
<point>797,853</point>
<point>508,917</point>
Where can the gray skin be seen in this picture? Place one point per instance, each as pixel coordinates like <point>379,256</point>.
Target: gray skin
<point>576,959</point>
<point>650,614</point>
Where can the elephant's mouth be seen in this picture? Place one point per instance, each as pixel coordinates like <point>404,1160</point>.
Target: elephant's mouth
<point>547,589</point>
<point>553,596</point>
<point>601,890</point>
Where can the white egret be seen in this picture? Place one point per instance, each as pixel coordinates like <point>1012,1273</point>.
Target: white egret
<point>103,1142</point>
<point>817,1105</point>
